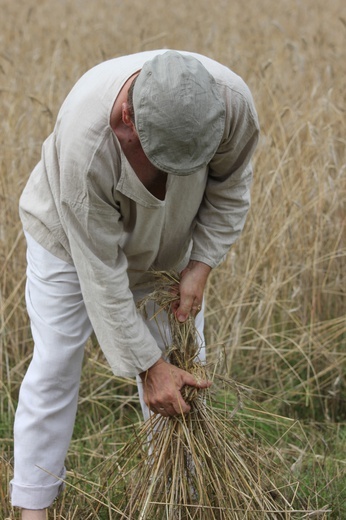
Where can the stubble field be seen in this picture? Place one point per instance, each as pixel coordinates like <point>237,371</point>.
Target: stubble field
<point>275,319</point>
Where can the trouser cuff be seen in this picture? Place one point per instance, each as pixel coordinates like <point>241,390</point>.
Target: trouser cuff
<point>35,497</point>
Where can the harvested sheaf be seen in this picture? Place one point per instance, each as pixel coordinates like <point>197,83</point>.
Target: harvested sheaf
<point>202,465</point>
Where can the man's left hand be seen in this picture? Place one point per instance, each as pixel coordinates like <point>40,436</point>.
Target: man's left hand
<point>191,288</point>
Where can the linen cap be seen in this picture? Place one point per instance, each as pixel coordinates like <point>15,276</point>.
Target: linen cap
<point>179,113</point>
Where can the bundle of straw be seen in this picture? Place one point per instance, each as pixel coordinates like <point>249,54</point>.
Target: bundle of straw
<point>200,465</point>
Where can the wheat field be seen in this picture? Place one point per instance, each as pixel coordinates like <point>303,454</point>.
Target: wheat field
<point>276,313</point>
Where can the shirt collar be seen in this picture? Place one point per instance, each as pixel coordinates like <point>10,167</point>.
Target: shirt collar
<point>130,186</point>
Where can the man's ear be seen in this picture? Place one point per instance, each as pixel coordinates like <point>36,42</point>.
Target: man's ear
<point>126,115</point>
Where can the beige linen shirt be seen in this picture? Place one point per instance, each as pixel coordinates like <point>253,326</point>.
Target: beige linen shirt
<point>85,204</point>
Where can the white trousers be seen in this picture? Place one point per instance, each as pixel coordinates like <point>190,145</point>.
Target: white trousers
<point>48,396</point>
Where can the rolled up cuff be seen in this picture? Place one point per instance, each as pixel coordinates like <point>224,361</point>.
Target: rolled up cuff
<point>36,497</point>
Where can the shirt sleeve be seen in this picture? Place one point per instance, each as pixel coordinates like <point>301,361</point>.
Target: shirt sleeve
<point>226,202</point>
<point>92,222</point>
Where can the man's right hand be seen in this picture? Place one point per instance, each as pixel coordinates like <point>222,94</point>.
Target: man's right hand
<point>162,384</point>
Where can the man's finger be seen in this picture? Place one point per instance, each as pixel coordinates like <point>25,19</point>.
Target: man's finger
<point>184,309</point>
<point>165,412</point>
<point>180,407</point>
<point>190,380</point>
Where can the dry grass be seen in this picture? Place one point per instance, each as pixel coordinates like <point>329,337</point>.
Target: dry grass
<point>201,465</point>
<point>276,308</point>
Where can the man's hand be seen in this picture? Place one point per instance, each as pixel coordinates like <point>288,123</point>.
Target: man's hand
<point>191,288</point>
<point>162,384</point>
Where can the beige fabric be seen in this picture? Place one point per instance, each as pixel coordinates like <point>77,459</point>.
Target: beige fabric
<point>84,203</point>
<point>180,137</point>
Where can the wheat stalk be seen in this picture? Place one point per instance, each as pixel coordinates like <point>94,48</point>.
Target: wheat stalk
<point>200,465</point>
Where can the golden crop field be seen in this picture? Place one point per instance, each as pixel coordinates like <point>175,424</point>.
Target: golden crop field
<point>276,313</point>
